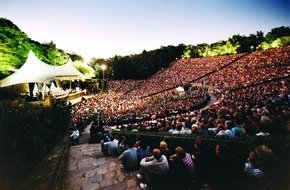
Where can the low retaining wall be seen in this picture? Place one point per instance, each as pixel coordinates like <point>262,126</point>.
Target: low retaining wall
<point>49,173</point>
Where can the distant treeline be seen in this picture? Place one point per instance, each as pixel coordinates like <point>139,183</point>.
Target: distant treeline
<point>15,45</point>
<point>142,66</point>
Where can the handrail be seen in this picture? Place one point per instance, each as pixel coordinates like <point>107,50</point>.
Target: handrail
<point>276,141</point>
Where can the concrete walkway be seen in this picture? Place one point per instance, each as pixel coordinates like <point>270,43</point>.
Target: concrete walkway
<point>88,169</point>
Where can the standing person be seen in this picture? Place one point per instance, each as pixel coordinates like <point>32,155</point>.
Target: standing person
<point>154,171</point>
<point>75,136</point>
<point>129,157</point>
<point>182,168</point>
<point>79,124</point>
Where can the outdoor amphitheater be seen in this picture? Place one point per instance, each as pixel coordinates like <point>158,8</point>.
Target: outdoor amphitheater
<point>101,107</point>
<point>218,109</point>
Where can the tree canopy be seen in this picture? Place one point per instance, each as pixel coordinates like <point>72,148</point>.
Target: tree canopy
<point>15,45</point>
<point>142,66</point>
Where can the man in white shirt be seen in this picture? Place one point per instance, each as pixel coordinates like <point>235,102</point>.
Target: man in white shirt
<point>75,137</point>
<point>154,170</point>
<point>110,148</point>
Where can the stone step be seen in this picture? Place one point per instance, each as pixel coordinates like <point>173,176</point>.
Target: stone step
<point>89,169</point>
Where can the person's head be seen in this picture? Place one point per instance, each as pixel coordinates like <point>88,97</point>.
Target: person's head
<point>163,145</point>
<point>201,126</point>
<point>263,156</point>
<point>167,139</point>
<point>143,144</point>
<point>180,152</point>
<point>222,150</point>
<point>197,143</point>
<point>220,127</point>
<point>130,142</point>
<point>179,126</point>
<point>157,153</point>
<point>228,124</point>
<point>112,137</point>
<point>210,120</point>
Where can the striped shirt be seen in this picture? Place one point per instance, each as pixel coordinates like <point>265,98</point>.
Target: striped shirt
<point>188,163</point>
<point>252,171</point>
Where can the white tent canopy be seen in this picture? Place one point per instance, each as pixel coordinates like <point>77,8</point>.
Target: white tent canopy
<point>67,72</point>
<point>36,71</point>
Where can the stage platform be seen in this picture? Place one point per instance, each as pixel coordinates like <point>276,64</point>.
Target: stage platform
<point>69,97</point>
<point>73,98</point>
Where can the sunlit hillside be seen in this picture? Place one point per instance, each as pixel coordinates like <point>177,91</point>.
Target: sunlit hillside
<point>15,45</point>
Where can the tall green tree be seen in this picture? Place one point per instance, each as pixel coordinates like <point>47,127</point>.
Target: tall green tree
<point>277,33</point>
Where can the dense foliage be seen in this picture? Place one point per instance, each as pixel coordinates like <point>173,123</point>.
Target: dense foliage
<point>15,45</point>
<point>145,64</point>
<point>28,133</point>
<point>277,37</point>
<point>142,66</point>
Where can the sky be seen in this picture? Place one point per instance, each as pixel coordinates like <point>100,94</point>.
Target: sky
<point>105,28</point>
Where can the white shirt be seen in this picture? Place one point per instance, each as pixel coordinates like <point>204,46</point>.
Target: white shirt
<point>75,134</point>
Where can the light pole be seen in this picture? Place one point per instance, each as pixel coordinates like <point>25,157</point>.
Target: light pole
<point>103,67</point>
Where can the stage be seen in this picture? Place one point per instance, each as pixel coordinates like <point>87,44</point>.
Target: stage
<point>72,97</point>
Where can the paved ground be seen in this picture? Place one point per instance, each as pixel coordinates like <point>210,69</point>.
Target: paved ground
<point>89,169</point>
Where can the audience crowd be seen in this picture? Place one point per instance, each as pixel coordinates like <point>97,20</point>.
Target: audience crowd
<point>192,164</point>
<point>256,108</point>
<point>257,67</point>
<point>253,99</point>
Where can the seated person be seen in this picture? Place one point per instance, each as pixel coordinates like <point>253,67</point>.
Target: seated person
<point>143,150</point>
<point>222,164</point>
<point>129,157</point>
<point>182,168</point>
<point>261,168</point>
<point>165,150</point>
<point>105,136</point>
<point>96,133</point>
<point>110,148</point>
<point>154,171</point>
<point>123,145</point>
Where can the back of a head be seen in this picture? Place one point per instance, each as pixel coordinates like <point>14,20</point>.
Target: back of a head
<point>130,142</point>
<point>265,155</point>
<point>163,145</point>
<point>180,152</point>
<point>112,137</point>
<point>143,144</point>
<point>223,150</point>
<point>229,124</point>
<point>197,143</point>
<point>157,153</point>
